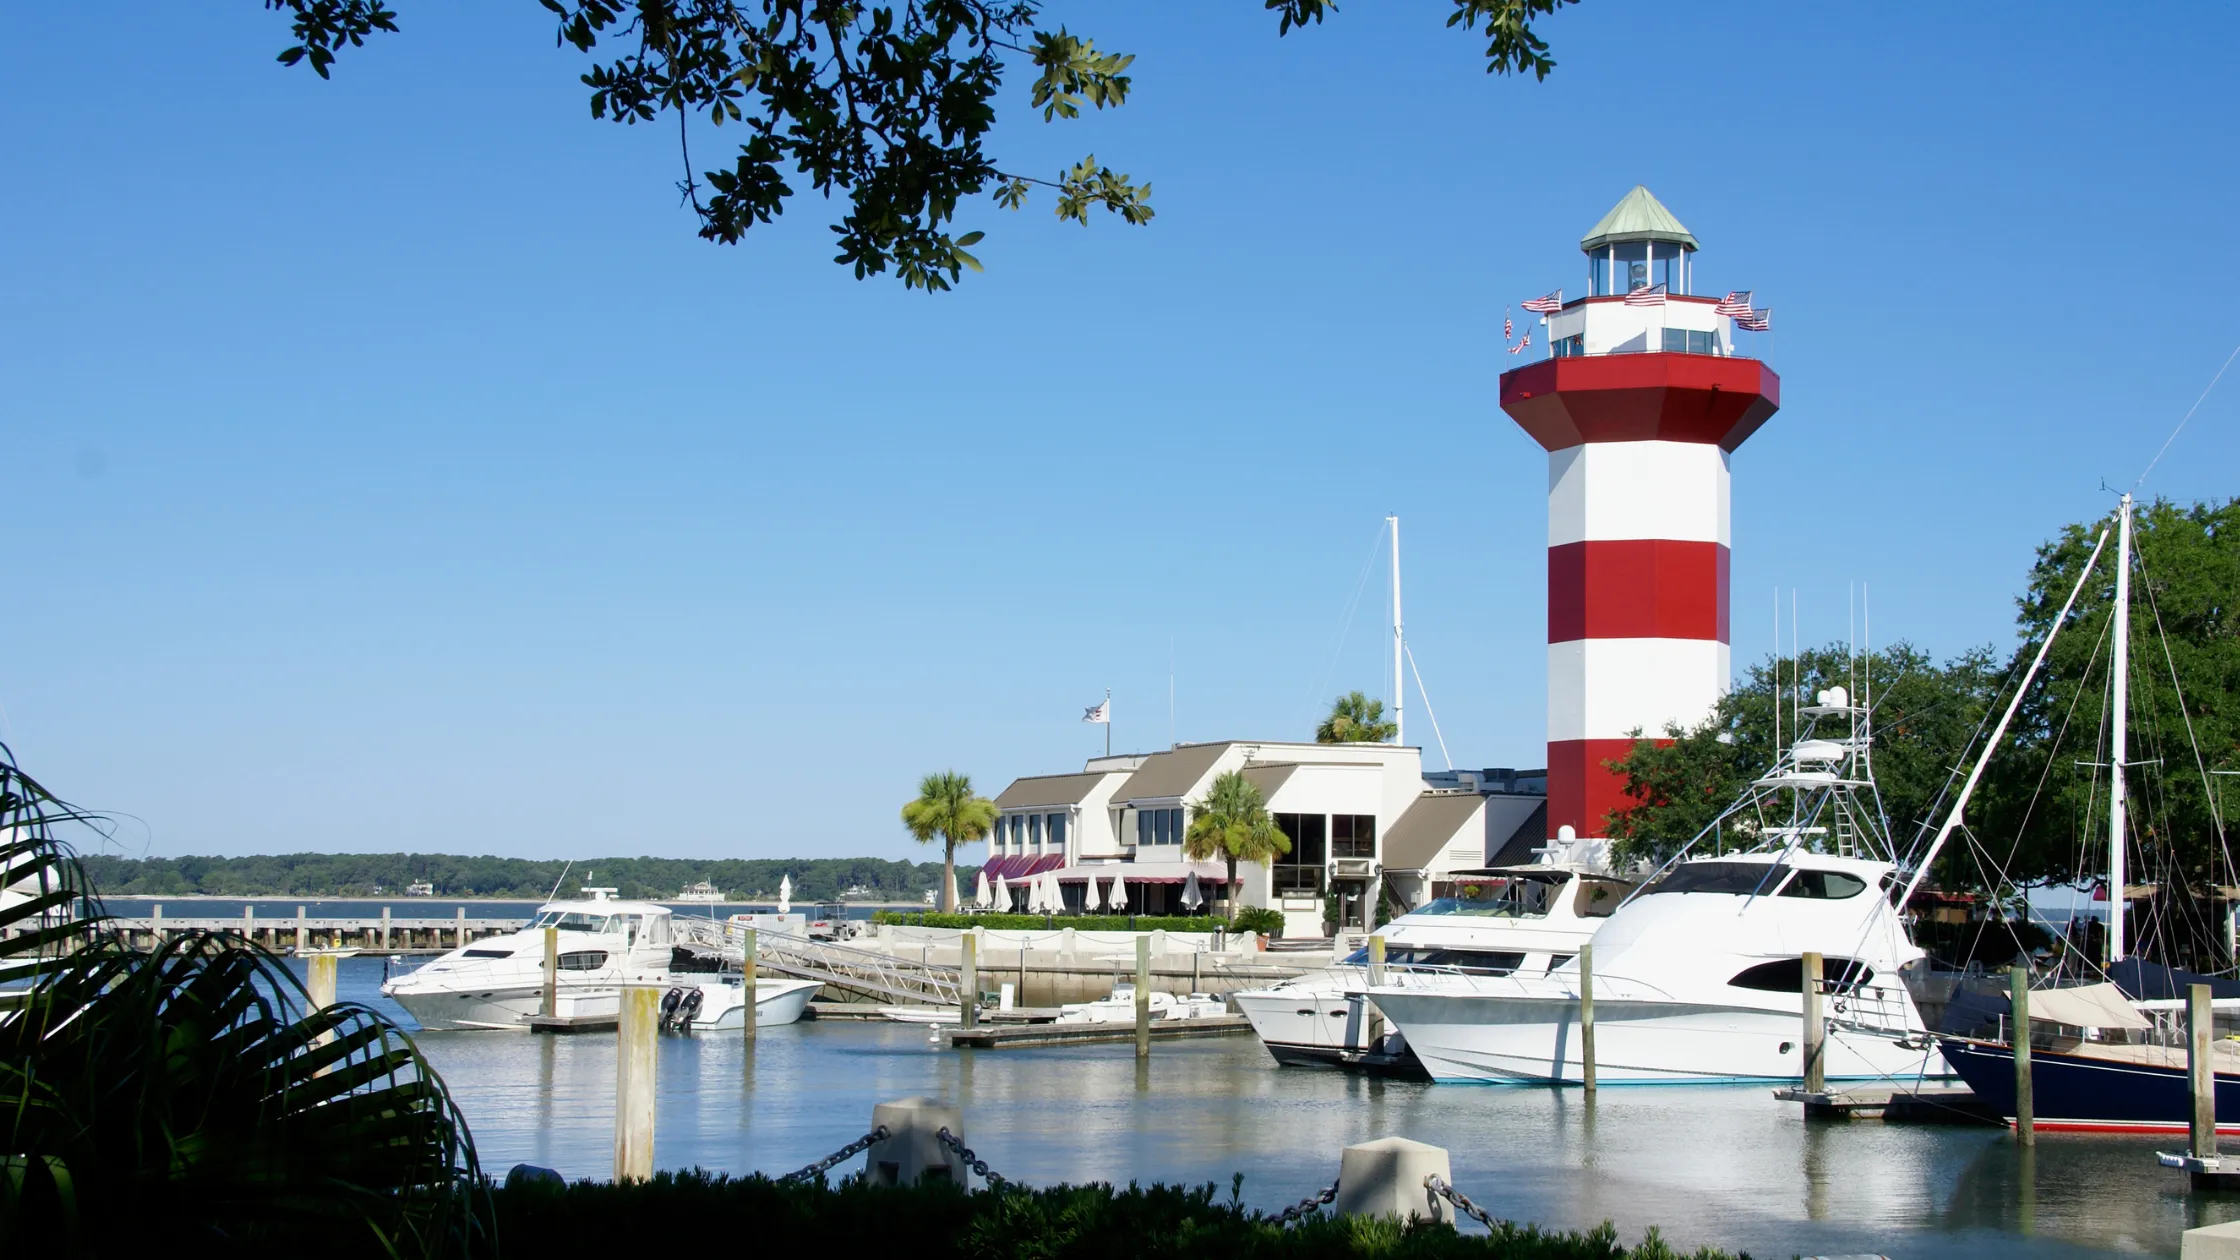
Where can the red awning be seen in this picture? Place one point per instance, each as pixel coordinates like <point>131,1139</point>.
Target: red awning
<point>1021,865</point>
<point>1168,875</point>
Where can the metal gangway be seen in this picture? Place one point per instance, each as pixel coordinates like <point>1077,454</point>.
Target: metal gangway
<point>867,973</point>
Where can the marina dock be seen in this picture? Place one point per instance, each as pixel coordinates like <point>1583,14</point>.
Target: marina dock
<point>1957,1106</point>
<point>1020,1036</point>
<point>385,933</point>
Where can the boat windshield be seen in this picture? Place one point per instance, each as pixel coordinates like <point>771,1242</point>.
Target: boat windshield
<point>1741,879</point>
<point>572,921</point>
<point>1496,899</point>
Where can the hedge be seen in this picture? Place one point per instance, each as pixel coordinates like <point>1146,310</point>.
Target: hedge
<point>1037,923</point>
<point>937,1221</point>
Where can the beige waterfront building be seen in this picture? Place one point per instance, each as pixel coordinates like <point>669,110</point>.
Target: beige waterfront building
<point>1366,821</point>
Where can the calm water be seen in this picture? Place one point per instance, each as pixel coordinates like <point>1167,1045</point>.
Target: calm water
<point>284,908</point>
<point>1725,1166</point>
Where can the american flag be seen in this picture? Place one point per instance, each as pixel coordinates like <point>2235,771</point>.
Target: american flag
<point>1736,305</point>
<point>1756,321</point>
<point>1548,305</point>
<point>1646,295</point>
<point>1521,346</point>
<point>1508,326</point>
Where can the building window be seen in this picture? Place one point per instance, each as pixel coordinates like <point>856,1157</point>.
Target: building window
<point>1690,341</point>
<point>1158,826</point>
<point>1301,870</point>
<point>1353,835</point>
<point>1571,347</point>
<point>1057,830</point>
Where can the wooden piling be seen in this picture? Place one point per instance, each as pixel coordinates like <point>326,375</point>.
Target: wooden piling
<point>1815,1029</point>
<point>633,1082</point>
<point>551,971</point>
<point>2025,1105</point>
<point>747,987</point>
<point>1376,961</point>
<point>461,942</point>
<point>968,979</point>
<point>384,927</point>
<point>249,922</point>
<point>303,931</point>
<point>155,925</point>
<point>1586,1017</point>
<point>1143,997</point>
<point>2201,1071</point>
<point>319,978</point>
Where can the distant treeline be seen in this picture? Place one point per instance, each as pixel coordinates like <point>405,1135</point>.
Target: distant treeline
<point>389,874</point>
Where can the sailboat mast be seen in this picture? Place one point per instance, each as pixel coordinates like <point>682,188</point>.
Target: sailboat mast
<point>1399,642</point>
<point>2119,700</point>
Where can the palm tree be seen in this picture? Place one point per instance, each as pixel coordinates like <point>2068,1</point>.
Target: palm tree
<point>1232,823</point>
<point>1355,719</point>
<point>946,808</point>
<point>192,1092</point>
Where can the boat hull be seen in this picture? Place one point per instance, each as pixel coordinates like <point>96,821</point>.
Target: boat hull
<point>472,1011</point>
<point>1535,1040</point>
<point>777,1003</point>
<point>2078,1093</point>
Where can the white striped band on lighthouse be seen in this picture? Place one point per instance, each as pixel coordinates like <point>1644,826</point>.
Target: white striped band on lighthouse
<point>1639,407</point>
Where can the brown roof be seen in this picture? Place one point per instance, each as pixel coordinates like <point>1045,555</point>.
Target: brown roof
<point>1049,789</point>
<point>1427,827</point>
<point>1269,778</point>
<point>1170,774</point>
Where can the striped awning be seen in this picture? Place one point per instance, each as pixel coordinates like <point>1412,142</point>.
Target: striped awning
<point>1021,865</point>
<point>1208,873</point>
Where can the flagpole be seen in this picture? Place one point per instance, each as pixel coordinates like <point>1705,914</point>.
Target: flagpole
<point>1108,721</point>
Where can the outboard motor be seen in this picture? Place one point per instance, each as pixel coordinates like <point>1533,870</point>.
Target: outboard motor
<point>689,1008</point>
<point>670,1001</point>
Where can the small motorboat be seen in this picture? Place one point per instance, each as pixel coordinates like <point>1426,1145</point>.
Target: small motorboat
<point>715,1003</point>
<point>1120,1008</point>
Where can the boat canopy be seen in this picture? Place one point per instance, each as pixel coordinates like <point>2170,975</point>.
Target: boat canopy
<point>2087,1006</point>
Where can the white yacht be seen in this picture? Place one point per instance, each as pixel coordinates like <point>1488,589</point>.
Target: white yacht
<point>604,943</point>
<point>1513,920</point>
<point>1698,976</point>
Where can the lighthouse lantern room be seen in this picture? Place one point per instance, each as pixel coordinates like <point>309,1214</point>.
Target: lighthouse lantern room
<point>1639,405</point>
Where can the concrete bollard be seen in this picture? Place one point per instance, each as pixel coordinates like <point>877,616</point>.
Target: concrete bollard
<point>912,1149</point>
<point>1815,1029</point>
<point>2025,1105</point>
<point>2210,1242</point>
<point>1143,997</point>
<point>1385,1178</point>
<point>634,1083</point>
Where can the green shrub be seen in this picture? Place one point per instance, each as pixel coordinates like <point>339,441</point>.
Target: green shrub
<point>1259,919</point>
<point>940,1222</point>
<point>1036,922</point>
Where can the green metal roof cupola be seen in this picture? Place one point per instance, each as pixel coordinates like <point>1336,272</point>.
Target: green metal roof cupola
<point>1638,216</point>
<point>1638,244</point>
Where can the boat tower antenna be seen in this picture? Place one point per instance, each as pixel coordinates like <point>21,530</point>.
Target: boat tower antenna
<point>555,893</point>
<point>2119,680</point>
<point>1399,642</point>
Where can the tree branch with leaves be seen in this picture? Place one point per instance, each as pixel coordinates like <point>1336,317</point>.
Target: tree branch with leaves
<point>885,107</point>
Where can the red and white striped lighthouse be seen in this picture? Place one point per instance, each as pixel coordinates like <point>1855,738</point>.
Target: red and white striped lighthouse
<point>1639,405</point>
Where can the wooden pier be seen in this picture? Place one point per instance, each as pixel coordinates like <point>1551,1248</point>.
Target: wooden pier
<point>386,934</point>
<point>1016,1036</point>
<point>1893,1105</point>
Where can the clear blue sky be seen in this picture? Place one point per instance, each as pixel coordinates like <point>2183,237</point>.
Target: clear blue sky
<point>391,467</point>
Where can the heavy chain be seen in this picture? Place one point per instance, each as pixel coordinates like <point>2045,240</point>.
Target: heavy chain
<point>841,1156</point>
<point>1437,1185</point>
<point>1308,1205</point>
<point>972,1161</point>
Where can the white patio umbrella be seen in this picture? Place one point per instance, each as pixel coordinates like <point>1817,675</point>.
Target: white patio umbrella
<point>954,899</point>
<point>1053,897</point>
<point>1091,900</point>
<point>1119,897</point>
<point>981,896</point>
<point>1191,897</point>
<point>785,894</point>
<point>1003,894</point>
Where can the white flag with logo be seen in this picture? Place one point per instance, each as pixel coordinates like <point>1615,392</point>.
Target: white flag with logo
<point>1100,713</point>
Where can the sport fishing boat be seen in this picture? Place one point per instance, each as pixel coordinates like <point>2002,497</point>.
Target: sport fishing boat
<point>1512,920</point>
<point>714,1003</point>
<point>1698,976</point>
<point>604,944</point>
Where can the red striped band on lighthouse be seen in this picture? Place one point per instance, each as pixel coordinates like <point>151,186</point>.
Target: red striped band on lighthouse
<point>1638,538</point>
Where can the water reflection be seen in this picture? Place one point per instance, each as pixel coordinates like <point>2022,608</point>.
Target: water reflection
<point>1727,1166</point>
